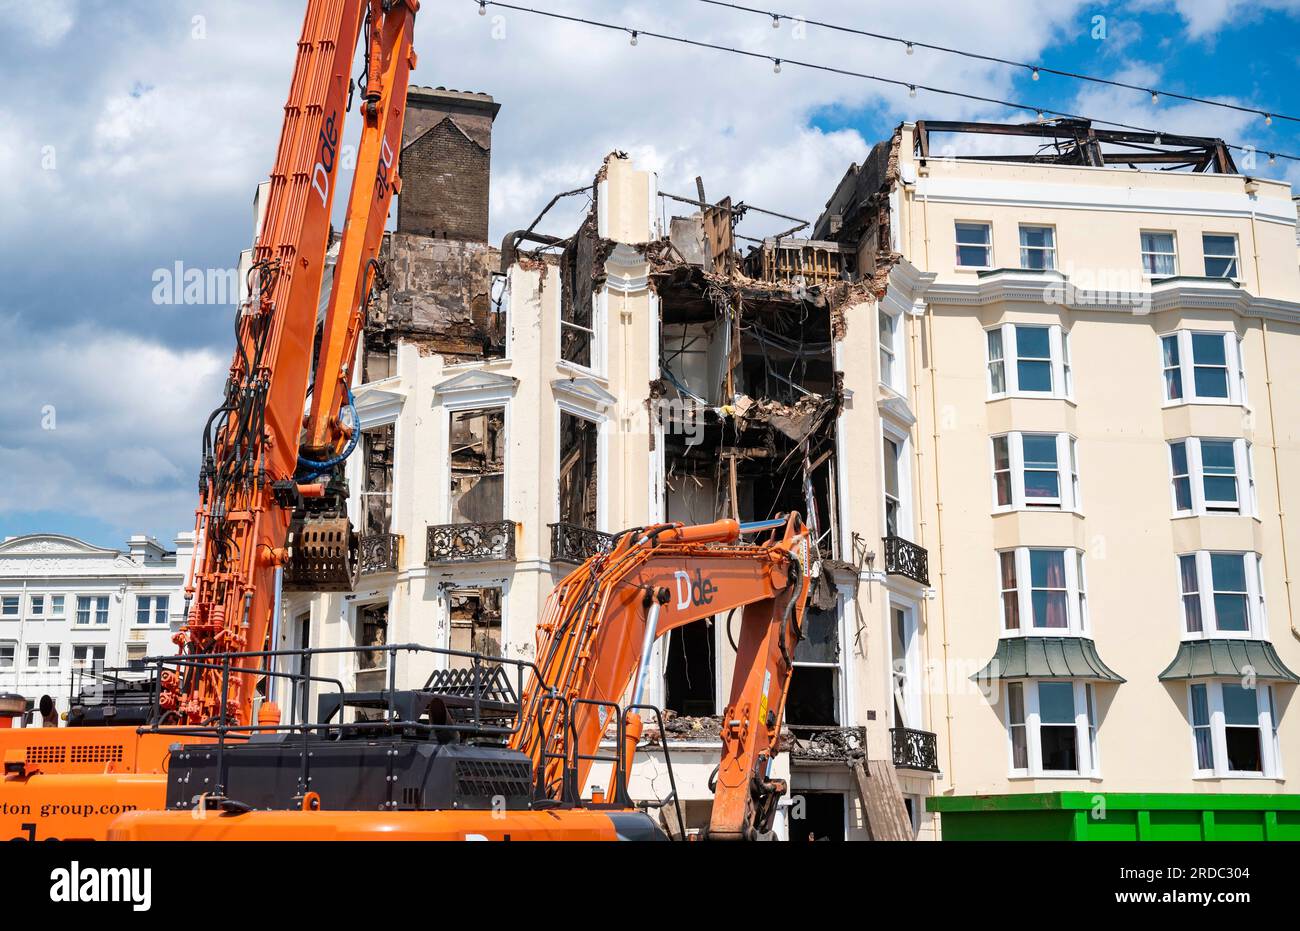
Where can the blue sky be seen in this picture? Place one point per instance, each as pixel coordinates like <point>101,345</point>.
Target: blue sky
<point>133,134</point>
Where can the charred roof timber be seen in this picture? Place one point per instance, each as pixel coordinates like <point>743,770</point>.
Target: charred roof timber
<point>1078,142</point>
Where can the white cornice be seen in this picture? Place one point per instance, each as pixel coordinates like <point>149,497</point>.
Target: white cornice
<point>1056,290</point>
<point>907,288</point>
<point>626,270</point>
<point>476,383</point>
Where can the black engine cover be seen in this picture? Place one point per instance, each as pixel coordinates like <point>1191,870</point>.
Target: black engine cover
<point>266,772</point>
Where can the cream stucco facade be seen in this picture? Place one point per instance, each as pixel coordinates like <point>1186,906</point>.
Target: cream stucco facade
<point>1124,411</point>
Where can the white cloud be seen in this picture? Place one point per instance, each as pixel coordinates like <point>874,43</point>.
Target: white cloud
<point>43,23</point>
<point>126,414</point>
<point>1205,17</point>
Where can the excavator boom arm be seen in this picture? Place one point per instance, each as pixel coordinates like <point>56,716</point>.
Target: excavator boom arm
<point>595,638</point>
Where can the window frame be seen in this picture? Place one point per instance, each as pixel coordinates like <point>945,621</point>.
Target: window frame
<point>54,656</point>
<point>9,647</point>
<point>91,648</point>
<point>1256,608</point>
<point>1049,251</point>
<point>1086,728</point>
<point>1266,722</point>
<point>28,664</point>
<point>58,608</point>
<point>903,445</point>
<point>16,602</point>
<point>1198,504</point>
<point>896,378</point>
<point>1076,593</point>
<point>93,612</point>
<point>987,245</point>
<point>1186,365</point>
<point>151,599</point>
<point>1058,341</point>
<point>1235,257</point>
<point>1173,253</point>
<point>1068,498</point>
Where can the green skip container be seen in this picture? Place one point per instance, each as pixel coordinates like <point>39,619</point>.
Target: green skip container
<point>1115,816</point>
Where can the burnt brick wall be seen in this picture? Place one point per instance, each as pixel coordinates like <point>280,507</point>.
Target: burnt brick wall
<point>446,162</point>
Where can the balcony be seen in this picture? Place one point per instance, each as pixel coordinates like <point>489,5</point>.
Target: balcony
<point>905,558</point>
<point>379,552</point>
<point>458,543</point>
<point>821,744</point>
<point>914,749</point>
<point>573,544</point>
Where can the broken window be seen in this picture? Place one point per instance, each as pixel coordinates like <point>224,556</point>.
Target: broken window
<point>690,670</point>
<point>377,482</point>
<point>813,696</point>
<point>577,307</point>
<point>478,466</point>
<point>475,622</point>
<point>372,631</point>
<point>579,470</point>
<point>378,357</point>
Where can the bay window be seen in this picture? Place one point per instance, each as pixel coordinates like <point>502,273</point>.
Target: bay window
<point>1029,359</point>
<point>1036,470</point>
<point>1052,728</point>
<point>1222,595</point>
<point>1043,592</point>
<point>1212,476</point>
<point>1202,368</point>
<point>1234,729</point>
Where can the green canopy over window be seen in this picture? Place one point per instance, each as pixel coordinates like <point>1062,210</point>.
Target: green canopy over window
<point>1047,658</point>
<point>1204,659</point>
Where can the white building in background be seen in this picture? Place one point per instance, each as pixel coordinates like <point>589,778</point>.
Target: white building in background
<point>67,605</point>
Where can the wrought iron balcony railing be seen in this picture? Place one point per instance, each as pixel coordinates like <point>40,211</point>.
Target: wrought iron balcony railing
<point>379,552</point>
<point>451,543</point>
<point>821,744</point>
<point>573,544</point>
<point>905,558</point>
<point>914,749</point>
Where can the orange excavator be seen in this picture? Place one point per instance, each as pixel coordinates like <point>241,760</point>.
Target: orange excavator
<point>272,496</point>
<point>469,756</point>
<point>487,747</point>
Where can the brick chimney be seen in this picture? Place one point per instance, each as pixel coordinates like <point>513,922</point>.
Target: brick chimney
<point>446,157</point>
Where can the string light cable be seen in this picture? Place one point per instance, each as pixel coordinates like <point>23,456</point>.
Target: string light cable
<point>1041,112</point>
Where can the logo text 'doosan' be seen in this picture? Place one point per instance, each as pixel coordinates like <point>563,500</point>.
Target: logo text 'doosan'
<point>102,884</point>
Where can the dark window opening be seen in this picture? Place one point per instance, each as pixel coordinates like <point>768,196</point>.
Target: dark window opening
<point>823,817</point>
<point>475,623</point>
<point>1243,750</point>
<point>821,642</point>
<point>577,313</point>
<point>579,470</point>
<point>372,631</point>
<point>691,669</point>
<point>378,358</point>
<point>377,483</point>
<point>478,466</point>
<point>811,698</point>
<point>1060,748</point>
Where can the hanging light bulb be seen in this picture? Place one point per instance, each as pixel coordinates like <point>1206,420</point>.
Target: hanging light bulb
<point>776,66</point>
<point>911,90</point>
<point>633,40</point>
<point>1268,119</point>
<point>1034,75</point>
<point>1272,159</point>
<point>776,21</point>
<point>1040,116</point>
<point>1159,141</point>
<point>1155,96</point>
<point>482,7</point>
<point>910,48</point>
